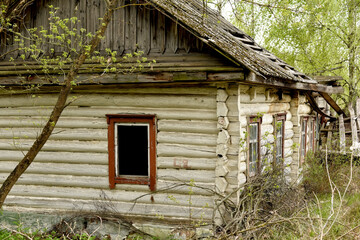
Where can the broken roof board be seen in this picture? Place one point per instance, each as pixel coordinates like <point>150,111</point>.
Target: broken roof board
<point>216,31</point>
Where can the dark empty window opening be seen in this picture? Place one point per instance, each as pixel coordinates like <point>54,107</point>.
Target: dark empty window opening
<point>132,153</point>
<point>132,150</point>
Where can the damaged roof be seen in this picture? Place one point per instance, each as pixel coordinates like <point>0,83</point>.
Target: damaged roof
<point>224,37</point>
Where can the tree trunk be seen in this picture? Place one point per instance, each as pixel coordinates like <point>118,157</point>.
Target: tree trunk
<point>58,108</point>
<point>352,49</point>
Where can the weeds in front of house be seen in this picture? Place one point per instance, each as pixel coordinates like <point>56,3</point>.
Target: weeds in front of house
<point>24,234</point>
<point>325,206</point>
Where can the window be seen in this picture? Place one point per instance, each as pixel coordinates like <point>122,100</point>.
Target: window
<point>279,122</point>
<point>312,133</point>
<point>308,136</point>
<point>304,124</point>
<point>253,163</point>
<point>132,149</point>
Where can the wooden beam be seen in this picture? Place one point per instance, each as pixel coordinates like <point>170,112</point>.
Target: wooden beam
<point>329,134</point>
<point>332,103</point>
<point>314,105</point>
<point>331,79</point>
<point>141,77</point>
<point>288,84</point>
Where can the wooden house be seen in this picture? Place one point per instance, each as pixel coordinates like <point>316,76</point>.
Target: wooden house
<point>159,142</point>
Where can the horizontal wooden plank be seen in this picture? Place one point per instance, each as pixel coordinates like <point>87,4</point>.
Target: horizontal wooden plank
<point>288,125</point>
<point>187,138</point>
<point>252,78</point>
<point>58,157</point>
<point>96,67</point>
<point>59,169</point>
<point>64,122</point>
<point>100,112</point>
<point>253,109</point>
<point>186,163</point>
<point>208,127</point>
<point>120,89</point>
<point>58,134</point>
<point>57,146</point>
<point>259,98</point>
<point>289,134</point>
<point>159,58</point>
<point>63,181</point>
<point>101,135</point>
<point>304,109</point>
<point>176,150</point>
<point>199,188</point>
<point>185,175</point>
<point>126,100</point>
<point>288,143</point>
<point>226,76</point>
<point>111,195</point>
<point>151,210</point>
<point>184,75</point>
<point>267,129</point>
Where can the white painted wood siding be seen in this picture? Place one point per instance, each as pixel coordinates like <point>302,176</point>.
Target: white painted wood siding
<point>245,101</point>
<point>71,173</point>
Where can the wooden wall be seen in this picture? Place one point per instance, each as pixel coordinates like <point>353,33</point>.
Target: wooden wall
<point>71,173</point>
<point>134,27</point>
<point>200,135</point>
<point>299,108</point>
<point>245,101</point>
<point>236,102</point>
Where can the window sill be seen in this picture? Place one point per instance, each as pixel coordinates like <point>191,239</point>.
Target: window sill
<point>133,180</point>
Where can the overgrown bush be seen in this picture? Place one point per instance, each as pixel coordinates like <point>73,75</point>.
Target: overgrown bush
<point>265,203</point>
<point>315,176</point>
<point>324,205</point>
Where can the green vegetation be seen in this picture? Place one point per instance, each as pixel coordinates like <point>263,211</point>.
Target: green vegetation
<point>24,235</point>
<point>325,205</point>
<point>318,37</point>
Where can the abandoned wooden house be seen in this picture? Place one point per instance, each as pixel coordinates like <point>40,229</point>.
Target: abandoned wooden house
<point>209,114</point>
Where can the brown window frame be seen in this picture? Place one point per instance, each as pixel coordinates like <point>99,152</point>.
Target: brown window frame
<point>277,118</point>
<point>303,120</point>
<point>251,121</point>
<point>149,180</point>
<point>312,137</point>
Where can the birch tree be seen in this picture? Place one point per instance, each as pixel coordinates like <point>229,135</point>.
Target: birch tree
<point>319,37</point>
<point>9,10</point>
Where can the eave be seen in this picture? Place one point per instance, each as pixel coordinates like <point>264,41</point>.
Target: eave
<point>286,84</point>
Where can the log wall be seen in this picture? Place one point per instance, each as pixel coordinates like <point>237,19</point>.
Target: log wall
<point>71,173</point>
<point>244,101</point>
<point>299,108</point>
<point>200,139</point>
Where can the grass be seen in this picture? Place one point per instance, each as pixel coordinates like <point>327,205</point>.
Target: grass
<point>22,234</point>
<point>332,210</point>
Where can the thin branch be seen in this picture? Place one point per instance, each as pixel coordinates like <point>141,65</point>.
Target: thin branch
<point>272,6</point>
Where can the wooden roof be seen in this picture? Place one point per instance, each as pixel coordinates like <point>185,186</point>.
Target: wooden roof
<point>202,31</point>
<point>209,26</point>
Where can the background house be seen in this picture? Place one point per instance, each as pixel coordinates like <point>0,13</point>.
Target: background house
<point>206,113</point>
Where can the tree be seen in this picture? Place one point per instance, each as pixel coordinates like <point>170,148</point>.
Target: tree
<point>319,37</point>
<point>85,52</point>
